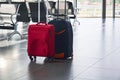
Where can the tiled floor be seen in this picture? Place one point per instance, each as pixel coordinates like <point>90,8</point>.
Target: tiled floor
<point>96,55</point>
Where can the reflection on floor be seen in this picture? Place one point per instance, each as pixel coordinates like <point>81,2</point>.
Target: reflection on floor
<point>96,55</point>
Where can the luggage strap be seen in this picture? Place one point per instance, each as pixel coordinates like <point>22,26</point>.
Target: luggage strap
<point>58,33</point>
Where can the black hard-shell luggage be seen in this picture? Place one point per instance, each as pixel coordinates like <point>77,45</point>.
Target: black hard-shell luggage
<point>63,37</point>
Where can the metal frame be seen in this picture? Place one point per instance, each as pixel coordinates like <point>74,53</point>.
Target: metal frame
<point>75,12</point>
<point>13,24</point>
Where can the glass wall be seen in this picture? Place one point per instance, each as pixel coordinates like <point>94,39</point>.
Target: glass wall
<point>93,8</point>
<point>109,8</point>
<point>117,8</point>
<point>90,8</point>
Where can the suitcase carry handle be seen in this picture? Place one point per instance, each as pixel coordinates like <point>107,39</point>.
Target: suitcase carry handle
<point>41,23</point>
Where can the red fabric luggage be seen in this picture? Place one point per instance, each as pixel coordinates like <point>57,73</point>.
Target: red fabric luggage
<point>41,38</point>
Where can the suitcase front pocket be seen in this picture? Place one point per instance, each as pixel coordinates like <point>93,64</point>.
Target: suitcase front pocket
<point>41,47</point>
<point>38,43</point>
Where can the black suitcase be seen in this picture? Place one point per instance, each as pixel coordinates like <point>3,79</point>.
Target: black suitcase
<point>63,37</point>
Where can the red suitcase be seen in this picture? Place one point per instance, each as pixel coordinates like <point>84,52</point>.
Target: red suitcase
<point>41,38</point>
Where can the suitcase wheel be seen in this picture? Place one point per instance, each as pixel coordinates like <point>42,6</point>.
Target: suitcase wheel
<point>48,59</point>
<point>70,57</point>
<point>32,58</point>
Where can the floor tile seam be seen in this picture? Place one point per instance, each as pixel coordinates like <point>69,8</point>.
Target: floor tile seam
<point>108,53</point>
<point>86,69</point>
<point>114,51</point>
<point>23,75</point>
<point>94,64</point>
